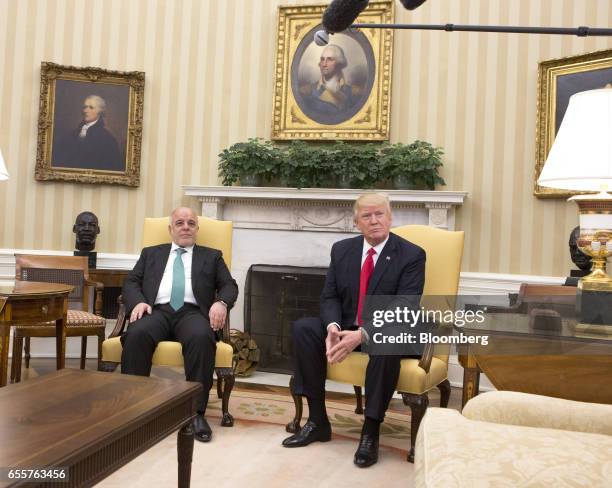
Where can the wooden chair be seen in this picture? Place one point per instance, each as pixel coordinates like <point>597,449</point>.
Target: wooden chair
<point>417,376</point>
<point>69,270</point>
<point>213,233</point>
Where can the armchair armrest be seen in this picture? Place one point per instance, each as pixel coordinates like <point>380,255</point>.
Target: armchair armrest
<point>121,319</point>
<point>513,408</point>
<point>225,337</point>
<point>98,289</point>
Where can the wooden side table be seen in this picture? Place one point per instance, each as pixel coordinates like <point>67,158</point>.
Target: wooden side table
<point>30,303</point>
<point>112,279</point>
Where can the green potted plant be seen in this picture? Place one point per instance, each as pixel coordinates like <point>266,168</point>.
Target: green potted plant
<point>301,165</point>
<point>413,166</point>
<point>249,162</point>
<point>355,165</point>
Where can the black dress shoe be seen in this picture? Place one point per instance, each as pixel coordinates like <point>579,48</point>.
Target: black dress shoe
<point>311,432</point>
<point>367,452</point>
<point>201,429</point>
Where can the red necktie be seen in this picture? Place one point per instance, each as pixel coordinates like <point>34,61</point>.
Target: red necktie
<point>366,273</point>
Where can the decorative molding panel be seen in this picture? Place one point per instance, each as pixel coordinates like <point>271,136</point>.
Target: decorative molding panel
<point>319,209</point>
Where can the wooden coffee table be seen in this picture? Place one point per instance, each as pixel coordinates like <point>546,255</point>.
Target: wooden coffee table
<point>92,423</point>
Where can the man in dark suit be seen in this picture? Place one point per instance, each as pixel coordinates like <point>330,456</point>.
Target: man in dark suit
<point>375,263</point>
<point>179,291</point>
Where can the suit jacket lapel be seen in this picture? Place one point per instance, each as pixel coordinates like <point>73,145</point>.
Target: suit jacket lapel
<point>354,269</point>
<point>196,265</point>
<point>382,264</point>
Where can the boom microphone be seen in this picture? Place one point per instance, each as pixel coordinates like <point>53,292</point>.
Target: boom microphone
<point>412,4</point>
<point>340,14</point>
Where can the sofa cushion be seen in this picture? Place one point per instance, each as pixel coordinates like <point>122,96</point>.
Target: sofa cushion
<point>167,353</point>
<point>453,451</point>
<point>511,407</point>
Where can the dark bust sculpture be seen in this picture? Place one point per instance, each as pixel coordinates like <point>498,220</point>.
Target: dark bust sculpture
<point>86,229</point>
<point>581,260</point>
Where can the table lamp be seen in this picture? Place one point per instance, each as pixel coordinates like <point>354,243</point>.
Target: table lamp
<point>581,160</point>
<point>3,172</point>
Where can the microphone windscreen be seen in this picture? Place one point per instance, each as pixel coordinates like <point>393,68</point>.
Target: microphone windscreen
<point>412,4</point>
<point>321,38</point>
<point>340,14</point>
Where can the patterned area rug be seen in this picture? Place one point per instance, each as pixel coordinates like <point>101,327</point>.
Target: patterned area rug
<point>250,453</point>
<point>273,408</point>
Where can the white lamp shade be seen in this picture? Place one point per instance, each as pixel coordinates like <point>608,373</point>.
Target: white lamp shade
<point>581,156</point>
<point>3,172</point>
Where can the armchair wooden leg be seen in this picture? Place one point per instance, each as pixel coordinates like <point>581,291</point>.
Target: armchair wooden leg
<point>219,387</point>
<point>227,377</point>
<point>358,400</point>
<point>107,366</point>
<point>27,354</point>
<point>83,351</point>
<point>418,405</point>
<point>294,426</point>
<point>445,392</point>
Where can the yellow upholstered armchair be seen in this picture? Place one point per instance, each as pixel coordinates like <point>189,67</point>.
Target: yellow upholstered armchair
<point>417,376</point>
<point>213,233</point>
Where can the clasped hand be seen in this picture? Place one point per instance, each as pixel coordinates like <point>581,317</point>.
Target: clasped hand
<point>339,343</point>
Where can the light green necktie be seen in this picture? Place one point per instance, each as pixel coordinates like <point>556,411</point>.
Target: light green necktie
<point>177,295</point>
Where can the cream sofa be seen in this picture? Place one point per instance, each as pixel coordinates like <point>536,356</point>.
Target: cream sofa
<point>509,439</point>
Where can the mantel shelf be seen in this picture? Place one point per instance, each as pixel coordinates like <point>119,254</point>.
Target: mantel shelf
<point>318,209</point>
<point>322,194</point>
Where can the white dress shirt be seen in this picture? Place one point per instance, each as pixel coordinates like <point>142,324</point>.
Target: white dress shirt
<point>165,287</point>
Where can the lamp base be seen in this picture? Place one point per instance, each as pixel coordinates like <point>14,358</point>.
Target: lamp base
<point>594,304</point>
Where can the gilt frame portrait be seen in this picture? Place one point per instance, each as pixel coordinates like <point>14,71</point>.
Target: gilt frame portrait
<point>558,80</point>
<point>89,125</point>
<point>338,91</point>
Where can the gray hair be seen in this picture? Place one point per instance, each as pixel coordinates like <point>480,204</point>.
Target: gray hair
<point>338,55</point>
<point>100,102</point>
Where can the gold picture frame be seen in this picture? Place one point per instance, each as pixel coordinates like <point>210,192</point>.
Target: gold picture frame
<point>89,125</point>
<point>558,79</point>
<point>358,108</point>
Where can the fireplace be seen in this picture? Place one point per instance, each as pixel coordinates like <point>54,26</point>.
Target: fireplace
<point>275,297</point>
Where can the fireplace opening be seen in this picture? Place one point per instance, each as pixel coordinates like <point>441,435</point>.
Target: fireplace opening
<point>275,297</point>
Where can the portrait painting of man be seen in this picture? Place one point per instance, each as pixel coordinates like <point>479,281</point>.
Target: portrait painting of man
<point>332,83</point>
<point>558,80</point>
<point>89,125</point>
<point>338,87</point>
<point>90,130</point>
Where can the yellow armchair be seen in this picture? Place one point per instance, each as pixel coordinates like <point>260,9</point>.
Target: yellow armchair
<point>213,233</point>
<point>417,376</point>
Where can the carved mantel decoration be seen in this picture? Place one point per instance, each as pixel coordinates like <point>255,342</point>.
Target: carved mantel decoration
<point>319,209</point>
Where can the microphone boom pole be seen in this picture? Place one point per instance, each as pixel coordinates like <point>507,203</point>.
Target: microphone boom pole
<point>578,31</point>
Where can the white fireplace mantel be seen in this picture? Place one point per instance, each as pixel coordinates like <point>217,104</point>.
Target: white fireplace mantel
<point>319,209</point>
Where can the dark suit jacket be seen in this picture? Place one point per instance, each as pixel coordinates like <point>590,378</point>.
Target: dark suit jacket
<point>210,278</point>
<point>399,270</point>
